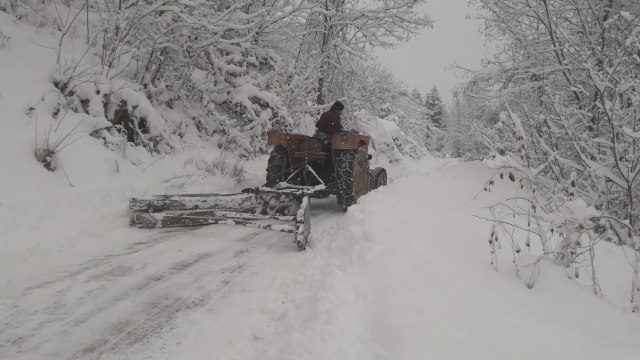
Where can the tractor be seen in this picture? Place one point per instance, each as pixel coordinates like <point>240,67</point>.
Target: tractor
<point>339,162</point>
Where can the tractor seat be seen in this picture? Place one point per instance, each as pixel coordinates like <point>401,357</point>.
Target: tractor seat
<point>311,148</point>
<point>325,139</point>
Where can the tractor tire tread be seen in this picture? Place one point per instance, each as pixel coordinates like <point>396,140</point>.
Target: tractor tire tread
<point>345,162</point>
<point>277,166</point>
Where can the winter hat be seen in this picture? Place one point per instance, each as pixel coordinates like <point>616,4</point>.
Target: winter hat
<point>337,106</point>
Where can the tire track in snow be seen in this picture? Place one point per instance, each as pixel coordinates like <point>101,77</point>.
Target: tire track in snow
<point>136,301</point>
<point>102,269</point>
<point>90,265</point>
<point>126,315</point>
<point>158,315</point>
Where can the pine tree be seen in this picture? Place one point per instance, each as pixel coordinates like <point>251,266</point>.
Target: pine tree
<point>433,103</point>
<point>415,94</point>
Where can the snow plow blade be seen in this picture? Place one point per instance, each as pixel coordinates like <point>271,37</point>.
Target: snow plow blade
<point>284,210</point>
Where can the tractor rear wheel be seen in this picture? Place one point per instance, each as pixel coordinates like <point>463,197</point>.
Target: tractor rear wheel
<point>352,175</point>
<point>277,166</point>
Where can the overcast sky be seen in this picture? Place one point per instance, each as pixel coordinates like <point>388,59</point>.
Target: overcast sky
<point>424,61</point>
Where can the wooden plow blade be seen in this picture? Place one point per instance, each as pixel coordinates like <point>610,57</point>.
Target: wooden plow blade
<point>284,210</point>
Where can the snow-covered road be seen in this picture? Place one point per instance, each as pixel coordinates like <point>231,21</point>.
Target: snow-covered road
<point>145,298</point>
<point>115,304</point>
<point>135,301</point>
<point>404,274</point>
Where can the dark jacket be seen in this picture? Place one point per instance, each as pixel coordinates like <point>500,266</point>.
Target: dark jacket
<point>329,123</point>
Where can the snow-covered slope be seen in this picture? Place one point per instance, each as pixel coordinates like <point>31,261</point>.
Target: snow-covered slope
<point>50,218</point>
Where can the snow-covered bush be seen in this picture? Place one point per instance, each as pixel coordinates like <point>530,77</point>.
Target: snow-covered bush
<point>229,166</point>
<point>124,104</point>
<point>58,128</point>
<point>114,137</point>
<point>552,228</point>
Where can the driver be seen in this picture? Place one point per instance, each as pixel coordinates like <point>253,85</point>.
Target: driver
<point>329,122</point>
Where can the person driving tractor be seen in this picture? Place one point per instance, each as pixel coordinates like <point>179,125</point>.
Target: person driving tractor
<point>329,122</point>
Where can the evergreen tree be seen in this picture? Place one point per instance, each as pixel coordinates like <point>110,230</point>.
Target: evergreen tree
<point>415,94</point>
<point>435,107</point>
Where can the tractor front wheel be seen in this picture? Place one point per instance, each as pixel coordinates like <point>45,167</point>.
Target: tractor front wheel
<point>378,178</point>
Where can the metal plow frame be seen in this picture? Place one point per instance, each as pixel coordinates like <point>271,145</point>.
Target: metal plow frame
<point>284,209</point>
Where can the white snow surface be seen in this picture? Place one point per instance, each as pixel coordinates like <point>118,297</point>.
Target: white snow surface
<point>404,274</point>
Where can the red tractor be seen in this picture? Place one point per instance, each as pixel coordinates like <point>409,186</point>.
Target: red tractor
<point>340,163</point>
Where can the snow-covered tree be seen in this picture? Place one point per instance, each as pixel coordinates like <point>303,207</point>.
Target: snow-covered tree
<point>470,127</point>
<point>231,70</point>
<point>382,96</point>
<point>415,94</point>
<point>338,33</point>
<point>435,106</point>
<point>568,75</point>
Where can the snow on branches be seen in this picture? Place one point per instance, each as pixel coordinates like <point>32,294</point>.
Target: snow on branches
<point>568,74</point>
<point>235,69</point>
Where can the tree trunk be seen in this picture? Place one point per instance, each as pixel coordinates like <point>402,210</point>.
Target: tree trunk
<point>320,98</point>
<point>88,38</point>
